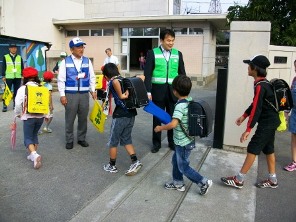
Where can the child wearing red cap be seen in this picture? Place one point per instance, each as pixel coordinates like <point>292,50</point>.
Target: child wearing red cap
<point>32,121</point>
<point>47,79</point>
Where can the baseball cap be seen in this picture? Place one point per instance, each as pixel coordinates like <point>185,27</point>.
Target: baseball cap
<point>76,42</point>
<point>12,45</point>
<point>259,60</point>
<point>63,54</point>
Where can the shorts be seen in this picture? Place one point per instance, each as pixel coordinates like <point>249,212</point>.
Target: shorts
<point>121,131</point>
<point>263,140</point>
<point>292,122</point>
<point>31,127</point>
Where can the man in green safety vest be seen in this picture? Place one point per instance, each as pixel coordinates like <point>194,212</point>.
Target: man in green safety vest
<point>163,64</point>
<point>12,71</point>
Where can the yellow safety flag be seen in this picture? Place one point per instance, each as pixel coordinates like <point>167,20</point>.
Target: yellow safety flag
<point>7,95</point>
<point>97,117</point>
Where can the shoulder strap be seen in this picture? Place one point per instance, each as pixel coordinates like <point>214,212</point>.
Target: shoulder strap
<point>275,107</point>
<point>185,131</point>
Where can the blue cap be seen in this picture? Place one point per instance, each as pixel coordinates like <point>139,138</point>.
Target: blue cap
<point>76,42</point>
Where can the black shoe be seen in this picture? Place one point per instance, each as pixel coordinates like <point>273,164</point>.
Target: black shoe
<point>83,143</point>
<point>69,146</point>
<point>172,146</point>
<point>4,109</point>
<point>155,149</point>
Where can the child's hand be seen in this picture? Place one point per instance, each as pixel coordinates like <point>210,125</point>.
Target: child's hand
<point>244,136</point>
<point>157,129</point>
<point>240,120</point>
<point>126,94</point>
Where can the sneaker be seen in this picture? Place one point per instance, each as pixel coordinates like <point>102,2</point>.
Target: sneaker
<point>134,168</point>
<point>291,167</point>
<point>37,161</point>
<point>40,132</point>
<point>109,168</point>
<point>47,130</point>
<point>267,184</point>
<point>205,187</point>
<point>232,181</point>
<point>172,186</point>
<point>29,157</point>
<point>4,109</point>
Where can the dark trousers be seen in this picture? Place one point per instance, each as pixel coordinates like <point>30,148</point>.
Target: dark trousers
<point>16,83</point>
<point>168,105</point>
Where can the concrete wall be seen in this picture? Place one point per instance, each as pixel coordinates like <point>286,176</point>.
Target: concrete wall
<point>118,8</point>
<point>246,40</point>
<point>32,19</point>
<point>283,70</point>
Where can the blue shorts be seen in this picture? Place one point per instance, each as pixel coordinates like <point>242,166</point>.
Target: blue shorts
<point>31,127</point>
<point>292,121</point>
<point>263,140</point>
<point>121,131</point>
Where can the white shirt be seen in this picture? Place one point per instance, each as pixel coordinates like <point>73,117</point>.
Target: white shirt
<point>111,59</point>
<point>77,63</point>
<point>166,53</point>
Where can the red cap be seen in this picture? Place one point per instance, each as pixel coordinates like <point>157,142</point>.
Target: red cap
<point>48,75</point>
<point>30,72</point>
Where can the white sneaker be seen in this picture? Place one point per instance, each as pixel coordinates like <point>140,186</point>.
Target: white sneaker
<point>47,130</point>
<point>29,157</point>
<point>37,161</point>
<point>134,168</point>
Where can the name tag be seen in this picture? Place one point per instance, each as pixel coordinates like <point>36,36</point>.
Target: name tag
<point>81,75</point>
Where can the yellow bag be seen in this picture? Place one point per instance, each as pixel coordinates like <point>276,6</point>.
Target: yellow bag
<point>37,99</point>
<point>99,81</point>
<point>97,117</point>
<point>7,95</point>
<point>283,126</point>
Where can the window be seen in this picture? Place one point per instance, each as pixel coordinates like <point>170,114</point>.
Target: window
<point>83,32</point>
<point>180,31</point>
<point>195,31</point>
<point>135,31</point>
<point>280,60</point>
<point>108,32</point>
<point>151,31</point>
<point>124,32</point>
<point>96,32</point>
<point>71,33</point>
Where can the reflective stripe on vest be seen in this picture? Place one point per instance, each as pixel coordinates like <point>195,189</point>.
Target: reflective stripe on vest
<point>73,84</point>
<point>165,71</point>
<point>11,67</point>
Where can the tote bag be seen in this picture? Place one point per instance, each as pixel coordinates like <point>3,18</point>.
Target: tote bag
<point>97,117</point>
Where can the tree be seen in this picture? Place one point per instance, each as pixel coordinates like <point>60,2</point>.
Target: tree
<point>281,14</point>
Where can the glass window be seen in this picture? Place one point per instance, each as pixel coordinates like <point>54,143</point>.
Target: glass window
<point>124,32</point>
<point>83,32</point>
<point>151,31</point>
<point>195,31</point>
<point>136,31</point>
<point>124,46</point>
<point>108,32</point>
<point>180,31</point>
<point>71,33</point>
<point>96,32</point>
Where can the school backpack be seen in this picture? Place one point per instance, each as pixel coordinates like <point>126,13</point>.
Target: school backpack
<point>200,119</point>
<point>282,94</point>
<point>37,99</point>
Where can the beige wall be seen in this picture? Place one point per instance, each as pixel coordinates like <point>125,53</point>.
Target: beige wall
<point>191,48</point>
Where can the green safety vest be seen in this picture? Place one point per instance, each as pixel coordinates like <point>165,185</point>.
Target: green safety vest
<point>13,70</point>
<point>165,71</point>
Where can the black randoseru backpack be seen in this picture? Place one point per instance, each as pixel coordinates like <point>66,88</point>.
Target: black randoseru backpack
<point>200,119</point>
<point>283,94</point>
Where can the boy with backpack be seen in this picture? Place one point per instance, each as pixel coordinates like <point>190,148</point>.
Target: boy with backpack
<point>262,112</point>
<point>183,144</point>
<point>122,123</point>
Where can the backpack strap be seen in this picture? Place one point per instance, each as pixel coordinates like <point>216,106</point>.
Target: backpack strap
<point>275,107</point>
<point>185,131</point>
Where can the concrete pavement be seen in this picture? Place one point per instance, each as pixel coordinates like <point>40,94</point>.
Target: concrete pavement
<point>72,186</point>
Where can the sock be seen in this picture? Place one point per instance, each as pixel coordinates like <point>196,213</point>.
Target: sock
<point>112,162</point>
<point>272,177</point>
<point>33,153</point>
<point>240,177</point>
<point>133,158</point>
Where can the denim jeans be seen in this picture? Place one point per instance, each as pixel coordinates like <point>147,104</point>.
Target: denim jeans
<point>31,127</point>
<point>180,162</point>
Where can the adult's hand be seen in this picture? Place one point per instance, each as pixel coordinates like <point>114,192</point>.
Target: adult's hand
<point>63,100</point>
<point>94,95</point>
